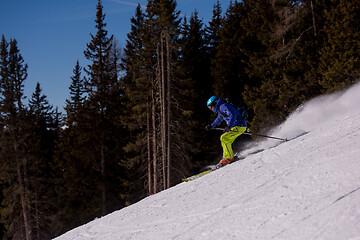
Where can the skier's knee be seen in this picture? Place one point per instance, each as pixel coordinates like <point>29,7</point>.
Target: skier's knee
<point>224,139</point>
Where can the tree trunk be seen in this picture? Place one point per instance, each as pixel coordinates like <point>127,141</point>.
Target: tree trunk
<point>163,118</point>
<point>103,183</point>
<point>150,187</point>
<point>37,215</point>
<point>168,111</point>
<point>313,19</point>
<point>154,145</point>
<point>23,193</point>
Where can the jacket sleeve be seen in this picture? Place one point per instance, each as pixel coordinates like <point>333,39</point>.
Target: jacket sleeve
<point>217,121</point>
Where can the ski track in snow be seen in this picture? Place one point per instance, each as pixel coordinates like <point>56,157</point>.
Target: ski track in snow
<point>306,188</point>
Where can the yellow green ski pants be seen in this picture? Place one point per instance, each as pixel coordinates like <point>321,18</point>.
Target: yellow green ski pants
<point>228,138</point>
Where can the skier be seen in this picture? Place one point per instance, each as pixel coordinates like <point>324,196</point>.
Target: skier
<point>236,125</point>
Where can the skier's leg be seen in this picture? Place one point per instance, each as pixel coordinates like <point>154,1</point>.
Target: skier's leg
<point>228,138</point>
<point>226,145</point>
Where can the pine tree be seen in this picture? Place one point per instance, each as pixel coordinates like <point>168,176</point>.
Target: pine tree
<point>14,175</point>
<point>28,136</point>
<point>98,52</point>
<point>158,109</point>
<point>76,101</point>
<point>196,79</point>
<point>102,106</point>
<point>340,56</point>
<point>302,42</point>
<point>73,174</point>
<point>3,78</point>
<point>282,66</point>
<point>212,38</point>
<point>213,30</point>
<point>165,23</point>
<point>44,136</point>
<point>228,69</point>
<point>4,62</point>
<point>89,152</point>
<point>40,107</point>
<point>138,110</point>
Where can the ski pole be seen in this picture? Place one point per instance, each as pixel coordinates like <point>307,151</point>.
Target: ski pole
<point>254,134</point>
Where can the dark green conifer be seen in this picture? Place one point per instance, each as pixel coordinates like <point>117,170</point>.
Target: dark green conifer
<point>44,127</point>
<point>137,100</point>
<point>14,156</point>
<point>340,56</point>
<point>77,91</point>
<point>102,112</point>
<point>228,66</point>
<point>213,29</point>
<point>195,86</point>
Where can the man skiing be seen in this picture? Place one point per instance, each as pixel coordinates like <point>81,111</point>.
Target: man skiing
<point>236,125</point>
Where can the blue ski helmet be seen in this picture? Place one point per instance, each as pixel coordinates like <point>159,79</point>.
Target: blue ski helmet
<point>212,101</point>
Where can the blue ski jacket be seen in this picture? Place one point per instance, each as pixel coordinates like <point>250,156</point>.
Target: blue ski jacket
<point>228,113</point>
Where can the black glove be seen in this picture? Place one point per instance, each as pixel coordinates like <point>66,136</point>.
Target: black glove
<point>227,129</point>
<point>208,127</point>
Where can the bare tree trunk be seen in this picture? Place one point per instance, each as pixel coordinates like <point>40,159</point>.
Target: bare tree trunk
<point>154,145</point>
<point>168,111</point>
<point>103,183</point>
<point>23,193</point>
<point>313,19</point>
<point>150,187</point>
<point>37,215</point>
<point>163,118</point>
<point>36,205</point>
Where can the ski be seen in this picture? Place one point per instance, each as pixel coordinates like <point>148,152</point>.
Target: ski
<point>208,170</point>
<point>196,176</point>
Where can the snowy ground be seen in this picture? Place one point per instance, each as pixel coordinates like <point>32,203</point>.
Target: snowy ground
<point>306,188</point>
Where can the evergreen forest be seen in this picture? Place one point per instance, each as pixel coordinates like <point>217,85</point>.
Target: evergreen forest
<point>134,123</point>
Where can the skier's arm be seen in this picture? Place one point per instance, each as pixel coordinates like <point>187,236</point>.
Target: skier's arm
<point>217,121</point>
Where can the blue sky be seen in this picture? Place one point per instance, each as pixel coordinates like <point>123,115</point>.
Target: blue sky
<point>52,35</point>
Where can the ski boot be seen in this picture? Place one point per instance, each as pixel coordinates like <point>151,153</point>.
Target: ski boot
<point>224,161</point>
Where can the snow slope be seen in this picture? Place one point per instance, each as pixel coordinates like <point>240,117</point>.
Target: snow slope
<point>306,188</point>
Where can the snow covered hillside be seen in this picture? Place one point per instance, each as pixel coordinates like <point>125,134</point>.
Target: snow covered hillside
<point>306,188</point>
